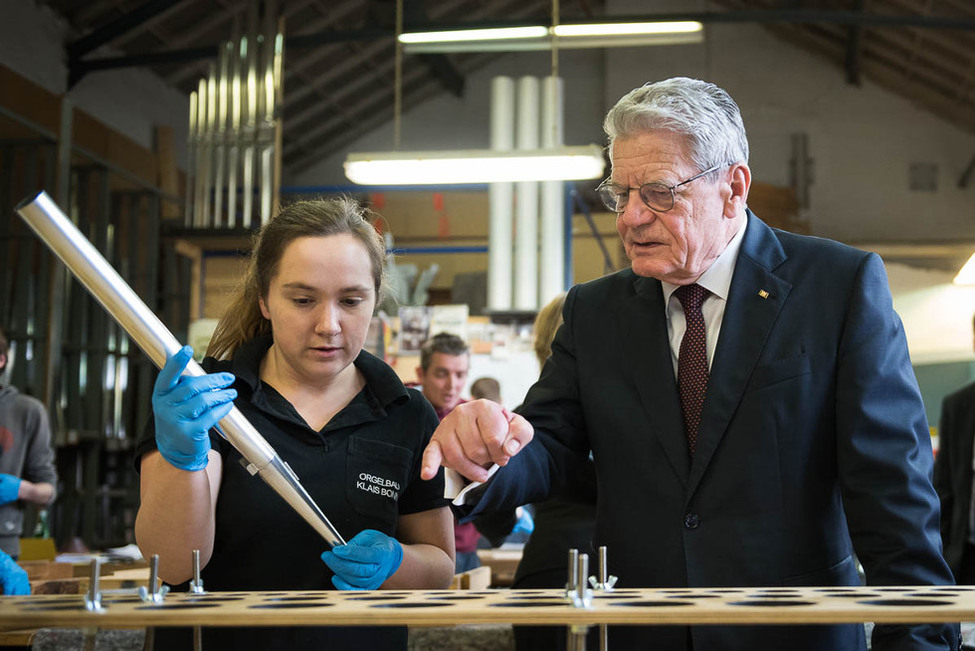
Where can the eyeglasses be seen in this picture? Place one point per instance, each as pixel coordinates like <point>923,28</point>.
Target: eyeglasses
<point>658,196</point>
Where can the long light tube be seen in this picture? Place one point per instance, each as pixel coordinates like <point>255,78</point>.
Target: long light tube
<point>492,34</point>
<point>620,29</point>
<point>540,37</point>
<point>474,166</point>
<point>144,327</point>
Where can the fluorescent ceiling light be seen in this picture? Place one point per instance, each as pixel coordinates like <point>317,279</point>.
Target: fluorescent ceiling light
<point>538,37</point>
<point>459,35</point>
<point>474,166</point>
<point>967,274</point>
<point>621,29</point>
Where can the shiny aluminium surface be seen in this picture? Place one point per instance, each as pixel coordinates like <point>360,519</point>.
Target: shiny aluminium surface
<point>144,327</point>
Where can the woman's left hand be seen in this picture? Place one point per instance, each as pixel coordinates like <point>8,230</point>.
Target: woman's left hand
<point>13,578</point>
<point>365,562</point>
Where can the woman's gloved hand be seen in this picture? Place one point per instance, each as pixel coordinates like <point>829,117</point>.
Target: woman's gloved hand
<point>185,408</point>
<point>525,522</point>
<point>13,578</point>
<point>9,488</point>
<point>365,562</point>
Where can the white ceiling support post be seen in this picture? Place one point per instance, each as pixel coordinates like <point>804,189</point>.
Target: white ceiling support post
<point>552,255</point>
<point>526,200</point>
<point>501,198</point>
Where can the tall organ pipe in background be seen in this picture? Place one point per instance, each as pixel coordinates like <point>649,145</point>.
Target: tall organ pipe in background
<point>200,186</point>
<point>192,139</point>
<point>211,142</point>
<point>233,117</point>
<point>220,133</point>
<point>551,257</point>
<point>526,201</point>
<point>249,120</point>
<point>269,71</point>
<point>142,325</point>
<point>500,197</point>
<point>235,123</point>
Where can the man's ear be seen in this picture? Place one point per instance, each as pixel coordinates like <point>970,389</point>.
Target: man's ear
<point>741,181</point>
<point>419,374</point>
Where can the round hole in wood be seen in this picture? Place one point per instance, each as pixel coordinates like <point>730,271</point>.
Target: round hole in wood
<point>179,606</point>
<point>412,604</point>
<point>646,603</point>
<point>293,604</point>
<point>771,602</point>
<point>907,602</point>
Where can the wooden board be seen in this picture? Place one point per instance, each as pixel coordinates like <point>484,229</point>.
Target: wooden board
<point>477,579</point>
<point>503,564</point>
<point>17,639</point>
<point>445,607</point>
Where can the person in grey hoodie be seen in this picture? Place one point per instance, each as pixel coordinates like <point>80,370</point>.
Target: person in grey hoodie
<point>27,472</point>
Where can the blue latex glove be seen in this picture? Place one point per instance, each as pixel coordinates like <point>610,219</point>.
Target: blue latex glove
<point>9,488</point>
<point>13,578</point>
<point>365,562</point>
<point>185,408</point>
<point>525,523</point>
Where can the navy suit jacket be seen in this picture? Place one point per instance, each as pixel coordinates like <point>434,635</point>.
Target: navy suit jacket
<point>953,471</point>
<point>813,442</point>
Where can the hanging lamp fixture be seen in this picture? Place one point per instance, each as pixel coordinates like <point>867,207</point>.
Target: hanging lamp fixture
<point>485,165</point>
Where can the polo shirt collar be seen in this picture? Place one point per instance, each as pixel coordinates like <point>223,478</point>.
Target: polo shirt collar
<point>381,380</point>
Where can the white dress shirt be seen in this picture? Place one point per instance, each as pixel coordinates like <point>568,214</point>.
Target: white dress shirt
<point>717,280</point>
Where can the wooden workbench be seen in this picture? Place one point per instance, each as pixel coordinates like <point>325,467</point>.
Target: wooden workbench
<point>538,607</point>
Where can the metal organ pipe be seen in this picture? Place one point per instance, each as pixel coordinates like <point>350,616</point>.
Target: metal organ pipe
<point>526,201</point>
<point>123,304</point>
<point>500,197</point>
<point>551,262</point>
<point>234,126</point>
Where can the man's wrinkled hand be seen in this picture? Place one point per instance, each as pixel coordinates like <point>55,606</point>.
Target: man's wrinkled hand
<point>474,436</point>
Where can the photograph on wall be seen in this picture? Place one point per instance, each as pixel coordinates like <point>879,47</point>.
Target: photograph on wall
<point>414,328</point>
<point>449,318</point>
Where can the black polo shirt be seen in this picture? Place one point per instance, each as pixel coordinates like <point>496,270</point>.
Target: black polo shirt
<point>362,469</point>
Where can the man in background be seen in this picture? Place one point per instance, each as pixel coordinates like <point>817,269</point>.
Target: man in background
<point>486,388</point>
<point>442,374</point>
<point>27,471</point>
<point>953,480</point>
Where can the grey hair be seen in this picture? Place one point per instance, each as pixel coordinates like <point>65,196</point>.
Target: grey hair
<point>702,112</point>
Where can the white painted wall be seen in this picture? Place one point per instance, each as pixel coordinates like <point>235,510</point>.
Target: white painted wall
<point>130,100</point>
<point>937,315</point>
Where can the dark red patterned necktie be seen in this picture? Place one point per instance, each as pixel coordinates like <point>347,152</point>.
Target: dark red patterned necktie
<point>692,360</point>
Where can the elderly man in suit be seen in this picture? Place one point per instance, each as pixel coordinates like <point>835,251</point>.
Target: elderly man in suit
<point>746,393</point>
<point>953,480</point>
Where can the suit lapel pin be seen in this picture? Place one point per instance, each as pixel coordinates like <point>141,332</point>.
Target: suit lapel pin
<point>763,293</point>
